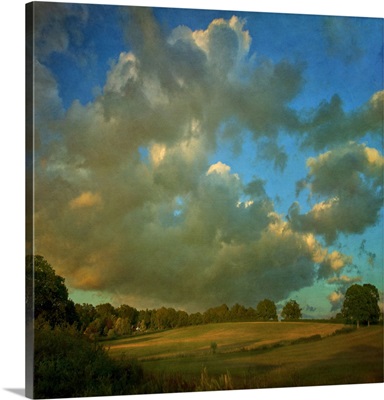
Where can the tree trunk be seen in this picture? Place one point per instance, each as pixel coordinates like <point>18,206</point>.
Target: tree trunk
<point>357,324</point>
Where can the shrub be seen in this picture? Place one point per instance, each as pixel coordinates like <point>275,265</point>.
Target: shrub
<point>68,365</point>
<point>343,330</point>
<point>213,347</point>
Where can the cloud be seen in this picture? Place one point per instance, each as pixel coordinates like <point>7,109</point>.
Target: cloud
<point>85,199</point>
<point>329,125</point>
<point>336,299</point>
<point>218,168</point>
<point>48,104</point>
<point>333,263</point>
<point>350,179</point>
<point>53,30</point>
<point>344,280</point>
<point>130,202</point>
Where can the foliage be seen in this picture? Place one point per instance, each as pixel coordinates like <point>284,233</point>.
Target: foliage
<point>68,365</point>
<point>48,294</point>
<point>291,311</point>
<point>213,347</point>
<point>361,304</point>
<point>266,310</point>
<point>87,314</point>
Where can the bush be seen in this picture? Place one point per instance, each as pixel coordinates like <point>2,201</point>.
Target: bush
<point>68,365</point>
<point>213,347</point>
<point>343,330</point>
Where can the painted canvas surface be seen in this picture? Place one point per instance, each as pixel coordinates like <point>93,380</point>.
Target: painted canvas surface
<point>204,200</point>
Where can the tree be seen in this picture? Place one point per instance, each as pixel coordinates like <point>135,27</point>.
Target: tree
<point>291,310</point>
<point>129,313</point>
<point>237,312</point>
<point>107,315</point>
<point>48,294</point>
<point>216,314</point>
<point>266,310</point>
<point>361,304</point>
<point>122,326</point>
<point>87,313</point>
<point>195,319</point>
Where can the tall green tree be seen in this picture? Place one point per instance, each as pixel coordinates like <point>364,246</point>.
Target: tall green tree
<point>361,304</point>
<point>266,310</point>
<point>48,294</point>
<point>291,310</point>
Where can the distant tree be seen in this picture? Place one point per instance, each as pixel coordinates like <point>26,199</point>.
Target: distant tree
<point>251,313</point>
<point>237,312</point>
<point>122,326</point>
<point>87,314</point>
<point>216,314</point>
<point>165,318</point>
<point>128,313</point>
<point>182,318</point>
<point>291,310</point>
<point>195,318</point>
<point>106,313</point>
<point>48,293</point>
<point>266,310</point>
<point>146,319</point>
<point>105,310</point>
<point>361,304</point>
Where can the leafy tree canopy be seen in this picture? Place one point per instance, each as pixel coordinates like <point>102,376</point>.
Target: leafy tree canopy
<point>361,304</point>
<point>47,294</point>
<point>266,310</point>
<point>291,310</point>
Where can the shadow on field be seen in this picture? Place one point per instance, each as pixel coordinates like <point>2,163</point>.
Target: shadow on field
<point>141,339</point>
<point>361,364</point>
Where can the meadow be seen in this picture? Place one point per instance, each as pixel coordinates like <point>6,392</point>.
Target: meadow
<point>246,355</point>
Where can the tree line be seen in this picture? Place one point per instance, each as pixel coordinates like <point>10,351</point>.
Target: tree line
<point>52,304</point>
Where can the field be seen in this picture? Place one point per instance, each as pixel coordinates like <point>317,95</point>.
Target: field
<point>256,355</point>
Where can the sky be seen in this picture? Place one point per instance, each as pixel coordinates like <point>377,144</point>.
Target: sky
<point>190,158</point>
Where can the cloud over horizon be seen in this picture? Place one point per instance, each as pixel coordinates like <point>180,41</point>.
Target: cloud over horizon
<point>134,201</point>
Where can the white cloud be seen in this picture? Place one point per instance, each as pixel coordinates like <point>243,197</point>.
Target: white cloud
<point>218,168</point>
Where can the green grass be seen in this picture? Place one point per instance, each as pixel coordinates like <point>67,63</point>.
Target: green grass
<point>230,337</point>
<point>257,355</point>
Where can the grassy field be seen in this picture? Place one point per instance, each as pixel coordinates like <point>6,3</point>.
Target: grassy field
<point>258,355</point>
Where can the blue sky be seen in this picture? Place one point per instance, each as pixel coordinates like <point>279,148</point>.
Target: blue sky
<point>208,157</point>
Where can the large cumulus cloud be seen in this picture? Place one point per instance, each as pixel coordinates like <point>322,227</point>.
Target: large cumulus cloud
<point>129,201</point>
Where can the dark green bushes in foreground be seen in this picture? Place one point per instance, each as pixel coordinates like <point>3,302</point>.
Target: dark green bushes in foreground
<point>68,365</point>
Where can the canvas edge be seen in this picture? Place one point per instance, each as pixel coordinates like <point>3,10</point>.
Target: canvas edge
<point>29,156</point>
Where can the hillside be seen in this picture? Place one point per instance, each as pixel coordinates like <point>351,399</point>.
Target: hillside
<point>256,354</point>
<point>229,337</point>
